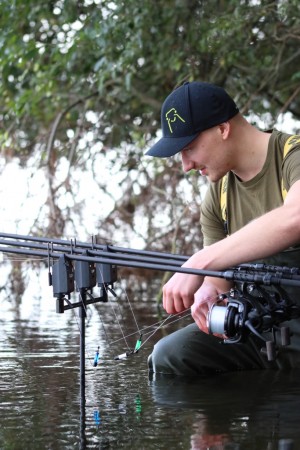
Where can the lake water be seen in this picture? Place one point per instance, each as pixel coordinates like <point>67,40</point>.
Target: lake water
<point>40,405</point>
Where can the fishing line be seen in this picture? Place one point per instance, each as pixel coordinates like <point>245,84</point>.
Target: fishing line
<point>119,323</point>
<point>140,331</point>
<point>163,323</point>
<point>182,315</point>
<point>115,314</point>
<point>133,315</point>
<point>105,333</point>
<point>216,299</point>
<point>158,324</point>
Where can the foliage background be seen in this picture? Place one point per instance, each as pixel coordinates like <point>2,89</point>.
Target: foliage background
<point>82,83</point>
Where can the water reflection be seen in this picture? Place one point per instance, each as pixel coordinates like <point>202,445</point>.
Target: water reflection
<point>257,409</point>
<point>40,403</point>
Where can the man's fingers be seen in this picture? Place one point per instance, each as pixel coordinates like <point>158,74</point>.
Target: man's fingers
<point>199,315</point>
<point>178,292</point>
<point>174,304</point>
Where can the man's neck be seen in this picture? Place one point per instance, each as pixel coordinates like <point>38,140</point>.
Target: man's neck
<point>251,152</point>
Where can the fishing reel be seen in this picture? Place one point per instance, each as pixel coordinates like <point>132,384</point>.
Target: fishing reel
<point>252,309</point>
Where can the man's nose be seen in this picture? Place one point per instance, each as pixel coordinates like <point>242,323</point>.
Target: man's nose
<point>187,164</point>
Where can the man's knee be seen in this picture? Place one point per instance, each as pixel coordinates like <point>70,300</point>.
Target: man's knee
<point>191,352</point>
<point>163,353</point>
<point>172,354</point>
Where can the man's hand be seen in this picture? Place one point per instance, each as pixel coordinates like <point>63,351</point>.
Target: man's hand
<point>178,292</point>
<point>205,297</point>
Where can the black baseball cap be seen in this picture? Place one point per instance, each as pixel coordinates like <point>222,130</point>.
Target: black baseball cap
<point>188,110</point>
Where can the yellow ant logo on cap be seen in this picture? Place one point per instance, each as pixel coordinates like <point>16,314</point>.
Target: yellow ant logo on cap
<point>171,116</point>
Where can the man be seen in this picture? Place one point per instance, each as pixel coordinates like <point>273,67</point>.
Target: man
<point>203,123</point>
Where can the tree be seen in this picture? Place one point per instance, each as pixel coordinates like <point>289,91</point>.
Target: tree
<point>120,59</point>
<point>85,79</point>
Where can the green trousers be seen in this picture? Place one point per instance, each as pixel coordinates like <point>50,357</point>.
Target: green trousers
<point>190,352</point>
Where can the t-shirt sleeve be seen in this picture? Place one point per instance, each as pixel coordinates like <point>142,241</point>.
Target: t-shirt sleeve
<point>291,165</point>
<point>211,221</point>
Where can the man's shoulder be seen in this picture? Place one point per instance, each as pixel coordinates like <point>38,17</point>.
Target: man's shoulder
<point>285,141</point>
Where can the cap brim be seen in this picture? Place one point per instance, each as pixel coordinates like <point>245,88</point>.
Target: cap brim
<point>167,146</point>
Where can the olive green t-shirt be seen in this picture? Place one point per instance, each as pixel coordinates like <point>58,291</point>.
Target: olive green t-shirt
<point>251,199</point>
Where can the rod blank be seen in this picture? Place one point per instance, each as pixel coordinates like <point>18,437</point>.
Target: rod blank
<point>118,256</point>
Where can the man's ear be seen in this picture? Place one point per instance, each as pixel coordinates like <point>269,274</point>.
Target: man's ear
<point>224,129</point>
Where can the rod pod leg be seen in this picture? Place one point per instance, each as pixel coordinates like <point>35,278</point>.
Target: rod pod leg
<point>82,316</point>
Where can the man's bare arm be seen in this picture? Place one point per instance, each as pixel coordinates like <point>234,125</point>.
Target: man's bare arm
<point>267,235</point>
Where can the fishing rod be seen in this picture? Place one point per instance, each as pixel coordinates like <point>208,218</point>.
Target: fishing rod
<point>28,241</point>
<point>73,250</point>
<point>81,266</point>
